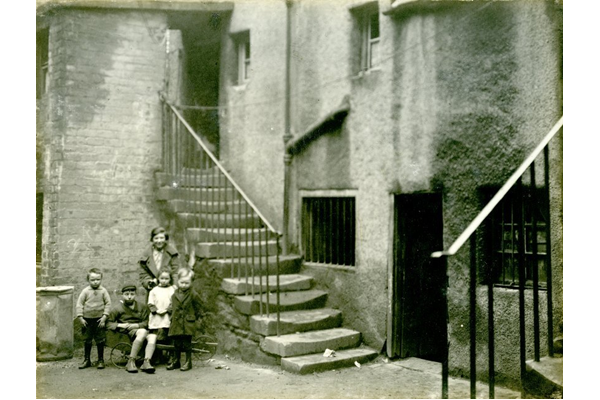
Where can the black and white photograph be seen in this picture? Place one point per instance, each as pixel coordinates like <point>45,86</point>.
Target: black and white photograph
<point>299,199</point>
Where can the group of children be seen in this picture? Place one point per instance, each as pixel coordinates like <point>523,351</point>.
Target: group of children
<point>172,312</point>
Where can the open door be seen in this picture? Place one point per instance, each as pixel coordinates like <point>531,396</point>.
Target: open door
<point>417,303</point>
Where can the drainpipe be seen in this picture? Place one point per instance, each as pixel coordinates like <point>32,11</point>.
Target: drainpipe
<point>287,136</point>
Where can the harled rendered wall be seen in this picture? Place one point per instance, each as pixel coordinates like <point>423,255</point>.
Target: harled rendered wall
<point>463,92</point>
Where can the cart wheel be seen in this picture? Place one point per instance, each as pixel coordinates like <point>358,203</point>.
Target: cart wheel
<point>120,354</point>
<point>204,347</point>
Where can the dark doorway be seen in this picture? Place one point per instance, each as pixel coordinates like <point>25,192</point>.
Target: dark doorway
<point>198,64</point>
<point>418,308</point>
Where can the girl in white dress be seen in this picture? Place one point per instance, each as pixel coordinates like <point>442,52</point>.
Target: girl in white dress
<point>159,303</point>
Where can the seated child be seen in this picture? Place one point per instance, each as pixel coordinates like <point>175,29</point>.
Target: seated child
<point>132,318</point>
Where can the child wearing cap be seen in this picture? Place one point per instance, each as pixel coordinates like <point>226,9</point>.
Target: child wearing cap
<point>131,318</point>
<point>93,307</point>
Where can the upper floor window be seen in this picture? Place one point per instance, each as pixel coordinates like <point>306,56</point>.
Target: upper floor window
<point>42,62</point>
<point>242,41</point>
<point>370,41</point>
<point>367,38</point>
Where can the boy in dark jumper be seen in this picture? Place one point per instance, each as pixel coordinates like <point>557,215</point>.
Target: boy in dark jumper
<point>93,307</point>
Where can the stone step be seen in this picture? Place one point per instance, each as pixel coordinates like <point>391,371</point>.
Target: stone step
<point>216,221</point>
<point>257,284</point>
<point>296,321</point>
<point>234,249</point>
<point>243,266</point>
<point>310,363</point>
<point>209,207</point>
<point>298,344</point>
<point>199,194</point>
<point>544,379</point>
<point>289,301</point>
<point>227,234</point>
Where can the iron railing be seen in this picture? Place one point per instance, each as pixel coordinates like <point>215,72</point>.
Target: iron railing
<point>514,190</point>
<point>220,220</point>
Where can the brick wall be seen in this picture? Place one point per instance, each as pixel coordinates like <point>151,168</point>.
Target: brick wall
<point>103,143</point>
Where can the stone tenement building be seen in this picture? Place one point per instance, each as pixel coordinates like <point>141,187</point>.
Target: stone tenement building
<point>361,137</point>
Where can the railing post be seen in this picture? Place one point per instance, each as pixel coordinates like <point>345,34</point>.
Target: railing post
<point>534,266</point>
<point>548,257</point>
<point>444,336</point>
<point>246,252</point>
<point>253,268</point>
<point>278,291</point>
<point>267,272</point>
<point>491,344</point>
<point>521,263</point>
<point>473,314</point>
<point>260,275</point>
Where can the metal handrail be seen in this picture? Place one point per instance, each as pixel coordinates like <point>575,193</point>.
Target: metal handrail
<point>221,168</point>
<point>464,236</point>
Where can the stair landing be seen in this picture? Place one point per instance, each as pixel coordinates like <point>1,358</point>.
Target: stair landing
<point>544,378</point>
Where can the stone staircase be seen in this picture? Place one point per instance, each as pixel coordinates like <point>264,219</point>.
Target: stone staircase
<point>235,243</point>
<point>544,379</point>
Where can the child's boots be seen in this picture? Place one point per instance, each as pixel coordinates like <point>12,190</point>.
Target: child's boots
<point>100,364</point>
<point>86,358</point>
<point>174,361</point>
<point>188,362</point>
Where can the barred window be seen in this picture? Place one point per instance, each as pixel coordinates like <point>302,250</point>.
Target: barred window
<point>504,228</point>
<point>329,230</point>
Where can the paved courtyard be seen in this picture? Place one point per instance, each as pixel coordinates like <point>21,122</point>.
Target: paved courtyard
<point>228,378</point>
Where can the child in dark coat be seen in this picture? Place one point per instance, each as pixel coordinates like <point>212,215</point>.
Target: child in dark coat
<point>186,310</point>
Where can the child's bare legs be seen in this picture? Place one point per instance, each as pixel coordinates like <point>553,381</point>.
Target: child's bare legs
<point>140,336</point>
<point>150,346</point>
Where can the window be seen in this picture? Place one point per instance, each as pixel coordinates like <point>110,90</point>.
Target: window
<point>370,41</point>
<point>328,230</point>
<point>366,37</point>
<point>504,230</point>
<point>39,214</point>
<point>243,56</point>
<point>42,62</point>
